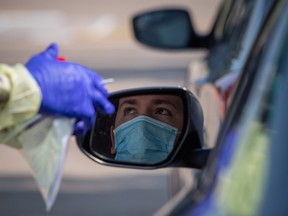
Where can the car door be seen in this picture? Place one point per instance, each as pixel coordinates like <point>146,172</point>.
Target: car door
<point>235,30</point>
<point>240,178</point>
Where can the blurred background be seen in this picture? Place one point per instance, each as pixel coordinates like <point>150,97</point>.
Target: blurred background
<point>97,34</point>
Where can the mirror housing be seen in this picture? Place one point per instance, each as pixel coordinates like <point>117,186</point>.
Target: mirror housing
<point>186,152</point>
<point>168,29</point>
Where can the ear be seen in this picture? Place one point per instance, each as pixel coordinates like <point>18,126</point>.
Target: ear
<point>112,150</point>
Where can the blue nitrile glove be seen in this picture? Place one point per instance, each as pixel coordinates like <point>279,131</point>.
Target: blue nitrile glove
<point>68,89</point>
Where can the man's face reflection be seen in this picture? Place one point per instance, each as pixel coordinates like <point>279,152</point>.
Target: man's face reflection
<point>165,108</point>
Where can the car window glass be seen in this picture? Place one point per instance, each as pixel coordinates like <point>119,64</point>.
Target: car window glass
<point>229,42</point>
<point>260,9</point>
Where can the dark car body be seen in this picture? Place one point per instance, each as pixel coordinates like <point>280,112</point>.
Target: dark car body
<point>246,173</point>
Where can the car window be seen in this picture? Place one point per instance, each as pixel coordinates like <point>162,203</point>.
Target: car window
<point>229,37</point>
<point>235,35</point>
<point>233,182</point>
<point>227,60</point>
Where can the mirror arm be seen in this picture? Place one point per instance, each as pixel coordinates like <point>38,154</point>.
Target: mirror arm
<point>202,41</point>
<point>196,158</point>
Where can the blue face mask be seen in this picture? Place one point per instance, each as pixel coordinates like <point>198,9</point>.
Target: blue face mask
<point>144,140</point>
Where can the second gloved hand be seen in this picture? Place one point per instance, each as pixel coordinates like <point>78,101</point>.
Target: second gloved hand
<point>68,89</point>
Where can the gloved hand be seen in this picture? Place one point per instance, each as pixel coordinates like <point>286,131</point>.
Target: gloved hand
<point>68,89</point>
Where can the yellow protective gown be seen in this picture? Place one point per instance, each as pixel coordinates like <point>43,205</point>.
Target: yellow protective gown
<point>42,143</point>
<point>20,98</point>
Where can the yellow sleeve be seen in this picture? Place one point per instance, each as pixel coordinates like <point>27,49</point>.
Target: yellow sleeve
<point>20,97</point>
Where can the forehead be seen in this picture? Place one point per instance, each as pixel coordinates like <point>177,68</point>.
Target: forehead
<point>151,99</point>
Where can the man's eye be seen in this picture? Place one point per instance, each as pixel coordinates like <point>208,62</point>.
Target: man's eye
<point>162,111</point>
<point>129,111</point>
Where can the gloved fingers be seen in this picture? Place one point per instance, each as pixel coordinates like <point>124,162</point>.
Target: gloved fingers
<point>97,82</point>
<point>81,128</point>
<point>51,52</point>
<point>37,62</point>
<point>91,78</point>
<point>101,103</point>
<point>100,87</point>
<point>64,84</point>
<point>87,117</point>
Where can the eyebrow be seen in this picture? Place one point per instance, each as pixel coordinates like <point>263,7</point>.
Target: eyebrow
<point>128,101</point>
<point>155,101</point>
<point>162,101</point>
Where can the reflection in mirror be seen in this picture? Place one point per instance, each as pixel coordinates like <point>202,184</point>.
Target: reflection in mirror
<point>144,128</point>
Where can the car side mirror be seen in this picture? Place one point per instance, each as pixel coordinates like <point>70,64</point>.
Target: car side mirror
<point>151,128</point>
<point>168,29</point>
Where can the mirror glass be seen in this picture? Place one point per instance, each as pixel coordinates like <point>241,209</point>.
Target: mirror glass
<point>165,29</point>
<point>144,128</point>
